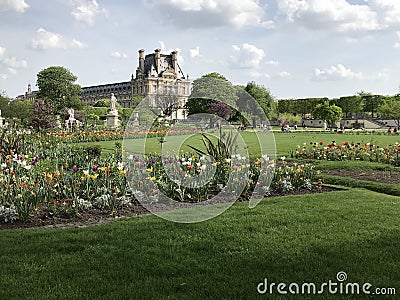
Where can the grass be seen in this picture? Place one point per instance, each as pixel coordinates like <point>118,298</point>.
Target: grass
<point>299,239</point>
<point>304,238</point>
<point>285,142</point>
<point>385,188</point>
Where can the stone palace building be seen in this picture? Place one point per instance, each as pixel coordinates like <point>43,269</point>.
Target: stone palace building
<point>156,73</point>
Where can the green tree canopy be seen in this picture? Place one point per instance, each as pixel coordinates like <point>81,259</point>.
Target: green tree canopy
<point>263,97</point>
<point>57,86</point>
<point>106,103</point>
<point>212,87</point>
<point>350,104</point>
<point>330,113</point>
<point>21,110</point>
<point>390,108</point>
<point>215,75</point>
<point>371,102</point>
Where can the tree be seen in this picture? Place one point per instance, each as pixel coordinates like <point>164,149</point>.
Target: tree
<point>371,102</point>
<point>215,75</point>
<point>220,109</point>
<point>57,86</point>
<point>350,104</point>
<point>390,108</point>
<point>21,110</point>
<point>330,113</point>
<point>263,97</point>
<point>43,115</point>
<point>212,87</point>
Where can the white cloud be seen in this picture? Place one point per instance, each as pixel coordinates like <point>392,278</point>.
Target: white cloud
<point>87,10</point>
<point>284,74</point>
<point>166,50</point>
<point>397,44</point>
<point>12,71</point>
<point>119,55</point>
<point>337,15</point>
<point>212,13</point>
<point>272,62</point>
<point>48,40</point>
<point>388,12</point>
<point>336,72</point>
<point>17,5</point>
<point>247,56</point>
<point>258,75</point>
<point>195,53</point>
<point>12,62</point>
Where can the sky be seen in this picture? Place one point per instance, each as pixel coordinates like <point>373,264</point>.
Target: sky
<point>295,48</point>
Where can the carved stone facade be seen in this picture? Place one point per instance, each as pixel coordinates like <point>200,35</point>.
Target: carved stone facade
<point>156,73</point>
<point>29,94</point>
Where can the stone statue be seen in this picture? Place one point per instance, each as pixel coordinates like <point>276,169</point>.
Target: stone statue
<point>113,102</point>
<point>71,114</point>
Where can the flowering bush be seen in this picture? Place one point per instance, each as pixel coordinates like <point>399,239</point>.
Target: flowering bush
<point>347,151</point>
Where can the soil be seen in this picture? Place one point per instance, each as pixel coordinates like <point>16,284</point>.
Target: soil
<point>392,177</point>
<point>96,216</point>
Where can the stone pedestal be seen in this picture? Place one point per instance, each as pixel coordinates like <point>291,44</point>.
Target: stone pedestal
<point>1,122</point>
<point>135,122</point>
<point>112,120</point>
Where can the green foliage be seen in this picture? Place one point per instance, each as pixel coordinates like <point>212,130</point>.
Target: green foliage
<point>197,106</point>
<point>12,143</point>
<point>136,100</point>
<point>350,104</point>
<point>16,109</point>
<point>224,147</point>
<point>327,112</point>
<point>93,151</point>
<point>299,106</point>
<point>390,108</point>
<point>215,75</point>
<point>262,95</point>
<point>209,88</point>
<point>371,102</point>
<point>57,86</point>
<point>290,118</point>
<point>95,111</point>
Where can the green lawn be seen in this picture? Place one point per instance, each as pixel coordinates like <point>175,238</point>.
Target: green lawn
<point>304,238</point>
<point>289,239</point>
<point>285,142</point>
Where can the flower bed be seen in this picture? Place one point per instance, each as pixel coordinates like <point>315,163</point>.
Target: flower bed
<point>55,179</point>
<point>347,151</point>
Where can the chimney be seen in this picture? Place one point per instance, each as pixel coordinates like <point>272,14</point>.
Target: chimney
<point>174,55</point>
<point>141,60</point>
<point>158,60</point>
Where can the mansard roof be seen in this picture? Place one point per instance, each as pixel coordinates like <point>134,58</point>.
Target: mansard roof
<point>166,63</point>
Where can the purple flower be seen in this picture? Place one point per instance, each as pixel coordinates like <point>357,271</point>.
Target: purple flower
<point>75,169</point>
<point>95,167</point>
<point>34,161</point>
<point>169,160</point>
